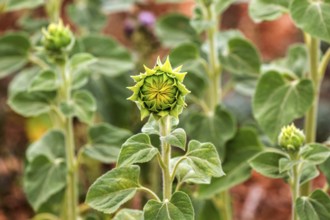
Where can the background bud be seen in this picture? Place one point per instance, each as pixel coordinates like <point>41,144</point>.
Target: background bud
<point>291,138</point>
<point>57,38</point>
<point>159,91</point>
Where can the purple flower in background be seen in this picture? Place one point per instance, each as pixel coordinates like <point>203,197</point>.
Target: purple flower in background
<point>146,18</point>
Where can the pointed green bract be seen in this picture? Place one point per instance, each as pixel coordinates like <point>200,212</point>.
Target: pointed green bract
<point>159,91</point>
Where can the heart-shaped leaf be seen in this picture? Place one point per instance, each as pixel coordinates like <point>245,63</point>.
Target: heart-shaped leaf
<point>218,128</point>
<point>315,206</point>
<point>267,163</point>
<point>306,14</point>
<point>113,189</point>
<point>267,10</point>
<point>315,153</point>
<point>277,102</point>
<point>204,158</point>
<point>239,150</point>
<point>178,208</point>
<point>137,149</point>
<point>177,138</point>
<point>46,168</point>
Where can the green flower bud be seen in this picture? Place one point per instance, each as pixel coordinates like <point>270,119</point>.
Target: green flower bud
<point>291,138</point>
<point>159,91</point>
<point>57,39</point>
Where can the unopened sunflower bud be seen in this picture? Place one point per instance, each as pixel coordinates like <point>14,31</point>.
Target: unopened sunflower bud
<point>291,138</point>
<point>159,91</point>
<point>57,38</point>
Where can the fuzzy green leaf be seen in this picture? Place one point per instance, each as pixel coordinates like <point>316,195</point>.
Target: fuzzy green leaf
<point>186,173</point>
<point>277,102</point>
<point>267,163</point>
<point>177,138</point>
<point>174,29</point>
<point>222,5</point>
<point>315,153</point>
<point>267,10</point>
<point>112,59</point>
<point>81,60</point>
<point>129,214</point>
<point>240,57</point>
<point>178,208</point>
<point>316,206</point>
<point>46,169</point>
<point>306,14</point>
<point>84,105</point>
<point>239,150</point>
<point>203,158</point>
<point>31,104</point>
<point>14,5</point>
<point>105,142</point>
<point>113,189</point>
<point>13,52</point>
<point>137,149</point>
<point>218,129</point>
<point>44,81</point>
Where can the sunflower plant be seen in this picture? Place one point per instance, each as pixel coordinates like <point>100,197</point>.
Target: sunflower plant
<point>160,94</point>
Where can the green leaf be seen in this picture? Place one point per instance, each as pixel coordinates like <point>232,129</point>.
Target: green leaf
<point>267,10</point>
<point>296,60</point>
<point>80,78</point>
<point>13,53</point>
<point>222,5</point>
<point>316,206</point>
<point>51,145</point>
<point>309,172</point>
<point>241,57</point>
<point>152,125</point>
<point>315,153</point>
<point>175,29</point>
<point>105,142</point>
<point>177,138</point>
<point>32,103</point>
<point>14,5</point>
<point>113,189</point>
<point>267,163</point>
<point>81,60</point>
<point>84,105</point>
<point>178,208</point>
<point>306,14</point>
<point>45,81</point>
<point>137,149</point>
<point>186,173</point>
<point>203,158</point>
<point>22,81</point>
<point>112,58</point>
<point>129,214</point>
<point>183,53</point>
<point>87,15</point>
<point>46,170</point>
<point>277,102</point>
<point>240,149</point>
<point>324,167</point>
<point>218,129</point>
<point>208,209</point>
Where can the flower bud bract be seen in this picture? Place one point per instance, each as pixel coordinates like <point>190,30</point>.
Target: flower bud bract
<point>159,91</point>
<point>291,138</point>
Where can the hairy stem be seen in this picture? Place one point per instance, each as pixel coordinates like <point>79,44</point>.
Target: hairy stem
<point>165,129</point>
<point>214,92</point>
<point>313,45</point>
<point>71,198</point>
<point>295,189</point>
